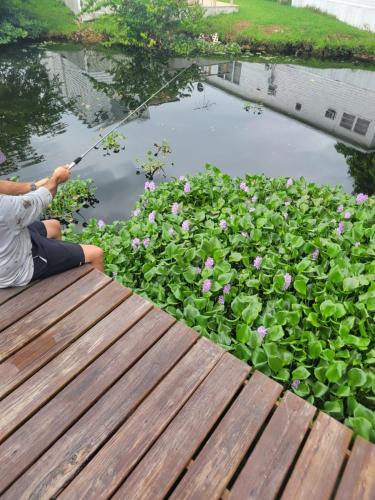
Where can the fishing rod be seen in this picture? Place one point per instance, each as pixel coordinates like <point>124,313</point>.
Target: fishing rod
<point>132,113</point>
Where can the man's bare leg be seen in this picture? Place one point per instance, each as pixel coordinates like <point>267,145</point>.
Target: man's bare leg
<point>53,228</point>
<point>94,256</point>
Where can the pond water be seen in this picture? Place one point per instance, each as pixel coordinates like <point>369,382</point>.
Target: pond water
<point>242,116</point>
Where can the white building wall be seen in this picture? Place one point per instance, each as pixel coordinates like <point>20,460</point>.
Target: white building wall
<point>285,87</point>
<point>359,13</point>
<point>74,5</point>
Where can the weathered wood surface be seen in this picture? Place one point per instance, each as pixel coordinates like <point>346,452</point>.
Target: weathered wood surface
<point>104,395</point>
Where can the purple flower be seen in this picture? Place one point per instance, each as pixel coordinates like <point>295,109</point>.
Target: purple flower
<point>185,225</point>
<point>257,262</point>
<point>136,212</point>
<point>244,187</point>
<point>198,270</point>
<point>151,216</point>
<point>287,281</point>
<point>135,243</point>
<point>296,383</point>
<point>209,264</point>
<point>361,198</point>
<point>251,209</point>
<point>221,300</point>
<point>226,289</point>
<point>171,231</point>
<point>206,287</point>
<point>340,228</point>
<point>357,243</point>
<point>315,254</point>
<point>262,330</point>
<point>254,199</point>
<point>244,234</point>
<point>146,242</point>
<point>101,224</point>
<point>289,182</point>
<point>182,178</point>
<point>150,186</point>
<point>175,208</point>
<point>187,188</point>
<point>223,224</point>
<point>340,208</point>
<point>347,215</point>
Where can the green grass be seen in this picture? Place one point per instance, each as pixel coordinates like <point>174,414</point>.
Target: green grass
<point>55,16</point>
<point>266,21</point>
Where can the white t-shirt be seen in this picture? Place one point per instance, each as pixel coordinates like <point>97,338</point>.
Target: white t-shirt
<point>16,213</point>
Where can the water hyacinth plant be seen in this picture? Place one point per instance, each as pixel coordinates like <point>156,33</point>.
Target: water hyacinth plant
<point>293,297</point>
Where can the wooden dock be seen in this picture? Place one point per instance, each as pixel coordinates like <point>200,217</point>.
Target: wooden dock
<point>104,395</point>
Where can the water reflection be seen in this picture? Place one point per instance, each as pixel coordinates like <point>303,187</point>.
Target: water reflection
<point>278,119</point>
<point>31,104</point>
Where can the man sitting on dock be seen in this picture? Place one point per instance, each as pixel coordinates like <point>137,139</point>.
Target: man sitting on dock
<point>31,249</point>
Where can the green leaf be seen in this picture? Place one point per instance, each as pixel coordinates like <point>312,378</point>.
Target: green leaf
<point>242,333</point>
<point>190,313</point>
<point>275,333</point>
<point>360,426</point>
<point>300,286</point>
<point>315,348</point>
<point>320,389</point>
<point>300,373</point>
<point>275,363</point>
<point>350,284</point>
<point>328,308</point>
<point>251,312</point>
<point>334,408</point>
<point>356,377</point>
<point>335,372</point>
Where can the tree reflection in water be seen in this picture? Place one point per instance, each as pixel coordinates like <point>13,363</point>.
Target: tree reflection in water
<point>30,105</point>
<point>361,168</point>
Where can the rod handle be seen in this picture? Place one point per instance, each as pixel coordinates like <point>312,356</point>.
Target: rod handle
<point>75,162</point>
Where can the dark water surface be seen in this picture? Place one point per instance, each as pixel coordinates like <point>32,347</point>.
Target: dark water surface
<point>302,121</point>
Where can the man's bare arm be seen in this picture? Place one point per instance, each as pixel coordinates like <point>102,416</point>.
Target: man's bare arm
<point>14,188</point>
<point>60,175</point>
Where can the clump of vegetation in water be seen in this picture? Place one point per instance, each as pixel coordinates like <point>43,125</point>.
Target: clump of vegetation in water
<point>156,161</point>
<point>279,272</point>
<point>71,197</point>
<point>253,107</point>
<point>112,143</point>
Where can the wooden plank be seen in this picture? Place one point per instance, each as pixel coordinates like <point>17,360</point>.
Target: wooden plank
<point>33,297</point>
<point>18,452</point>
<point>268,465</point>
<point>155,474</point>
<point>35,323</point>
<point>358,481</point>
<point>47,476</point>
<point>117,457</point>
<point>8,293</point>
<point>215,465</point>
<point>42,349</point>
<point>20,404</point>
<point>315,473</point>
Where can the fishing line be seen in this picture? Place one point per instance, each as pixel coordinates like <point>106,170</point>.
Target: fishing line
<point>132,113</point>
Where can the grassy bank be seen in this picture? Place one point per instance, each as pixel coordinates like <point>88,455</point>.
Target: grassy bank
<point>54,16</point>
<point>268,25</point>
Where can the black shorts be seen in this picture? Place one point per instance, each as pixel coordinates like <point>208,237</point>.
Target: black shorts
<point>52,256</point>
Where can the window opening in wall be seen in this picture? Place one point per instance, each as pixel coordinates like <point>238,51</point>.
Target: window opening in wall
<point>331,114</point>
<point>361,126</point>
<point>347,121</point>
<point>298,106</point>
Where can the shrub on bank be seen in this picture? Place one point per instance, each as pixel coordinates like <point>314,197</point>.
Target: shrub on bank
<point>279,272</point>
